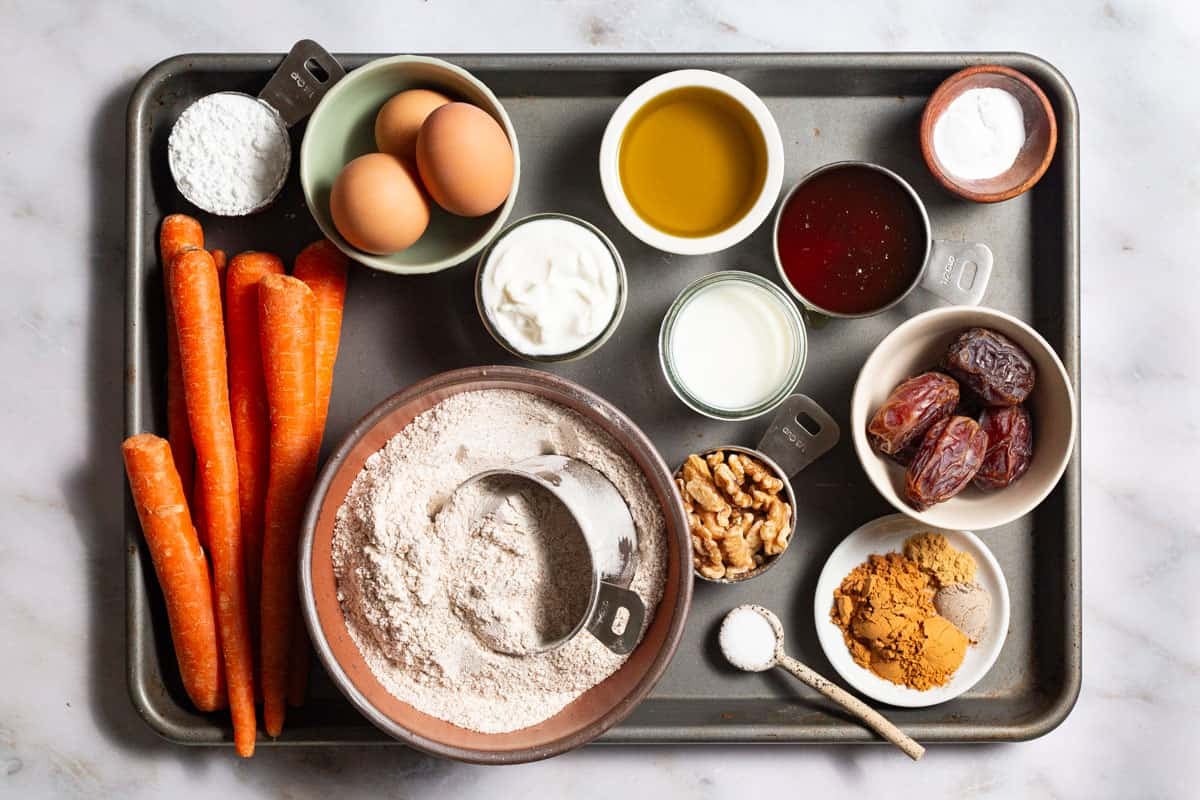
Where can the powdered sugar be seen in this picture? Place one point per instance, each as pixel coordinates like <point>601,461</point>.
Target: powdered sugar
<point>229,153</point>
<point>405,562</point>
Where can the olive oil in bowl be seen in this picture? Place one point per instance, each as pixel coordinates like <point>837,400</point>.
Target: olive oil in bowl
<point>692,161</point>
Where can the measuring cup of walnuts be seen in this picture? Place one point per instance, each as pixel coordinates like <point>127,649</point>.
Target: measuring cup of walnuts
<point>740,504</point>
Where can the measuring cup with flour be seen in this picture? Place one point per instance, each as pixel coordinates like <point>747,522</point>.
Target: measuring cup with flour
<point>565,504</point>
<point>229,152</point>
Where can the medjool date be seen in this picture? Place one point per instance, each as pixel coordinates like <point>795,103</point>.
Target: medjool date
<point>1010,446</point>
<point>950,456</point>
<point>992,366</point>
<point>910,410</point>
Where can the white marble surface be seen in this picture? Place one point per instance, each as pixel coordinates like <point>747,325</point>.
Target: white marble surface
<point>66,726</point>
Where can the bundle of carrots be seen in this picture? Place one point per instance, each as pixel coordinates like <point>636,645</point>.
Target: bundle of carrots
<point>250,357</point>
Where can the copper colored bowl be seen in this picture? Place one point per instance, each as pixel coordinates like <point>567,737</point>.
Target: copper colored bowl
<point>588,716</point>
<point>1041,133</point>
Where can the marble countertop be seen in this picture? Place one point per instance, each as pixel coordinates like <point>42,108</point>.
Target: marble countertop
<point>67,728</point>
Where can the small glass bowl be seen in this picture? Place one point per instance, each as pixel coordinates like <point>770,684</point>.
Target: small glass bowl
<point>799,350</point>
<point>571,355</point>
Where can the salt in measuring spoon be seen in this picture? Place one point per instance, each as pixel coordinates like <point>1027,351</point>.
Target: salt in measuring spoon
<point>293,91</point>
<point>751,638</point>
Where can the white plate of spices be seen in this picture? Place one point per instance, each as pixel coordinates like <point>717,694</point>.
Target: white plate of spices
<point>909,614</point>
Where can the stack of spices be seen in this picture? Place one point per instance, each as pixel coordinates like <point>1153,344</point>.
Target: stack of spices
<point>910,617</point>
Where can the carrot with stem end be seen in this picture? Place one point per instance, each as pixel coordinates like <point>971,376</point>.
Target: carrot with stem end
<point>196,297</point>
<point>178,232</point>
<point>180,565</point>
<point>287,325</point>
<point>248,404</point>
<point>323,268</point>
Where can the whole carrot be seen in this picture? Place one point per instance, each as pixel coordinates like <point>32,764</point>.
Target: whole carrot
<point>323,268</point>
<point>178,232</point>
<point>179,563</point>
<point>287,322</point>
<point>196,296</point>
<point>248,404</point>
<point>198,487</point>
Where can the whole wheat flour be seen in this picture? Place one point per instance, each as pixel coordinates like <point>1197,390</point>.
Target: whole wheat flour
<point>422,577</point>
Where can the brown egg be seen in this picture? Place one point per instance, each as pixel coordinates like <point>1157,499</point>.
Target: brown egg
<point>465,160</point>
<point>377,204</point>
<point>400,119</point>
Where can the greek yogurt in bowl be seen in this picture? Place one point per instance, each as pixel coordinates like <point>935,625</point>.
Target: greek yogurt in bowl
<point>551,288</point>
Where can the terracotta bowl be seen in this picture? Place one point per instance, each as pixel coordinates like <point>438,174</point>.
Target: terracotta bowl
<point>1041,133</point>
<point>588,716</point>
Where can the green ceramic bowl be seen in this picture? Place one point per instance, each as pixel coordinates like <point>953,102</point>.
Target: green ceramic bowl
<point>343,127</point>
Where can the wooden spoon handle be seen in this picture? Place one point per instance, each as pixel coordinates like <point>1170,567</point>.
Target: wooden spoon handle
<point>855,706</point>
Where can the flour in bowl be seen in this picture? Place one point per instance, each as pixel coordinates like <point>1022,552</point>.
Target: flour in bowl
<point>418,582</point>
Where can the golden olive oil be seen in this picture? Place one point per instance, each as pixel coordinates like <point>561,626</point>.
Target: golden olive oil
<point>692,161</point>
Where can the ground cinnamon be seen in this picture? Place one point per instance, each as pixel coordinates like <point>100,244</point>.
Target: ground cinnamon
<point>885,610</point>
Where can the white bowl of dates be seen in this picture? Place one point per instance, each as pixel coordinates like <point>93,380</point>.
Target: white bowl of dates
<point>964,418</point>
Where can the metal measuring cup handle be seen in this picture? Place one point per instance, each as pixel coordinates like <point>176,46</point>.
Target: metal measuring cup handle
<point>958,272</point>
<point>306,73</point>
<point>619,634</point>
<point>790,444</point>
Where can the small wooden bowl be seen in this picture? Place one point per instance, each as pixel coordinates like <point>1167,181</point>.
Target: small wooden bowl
<point>1041,133</point>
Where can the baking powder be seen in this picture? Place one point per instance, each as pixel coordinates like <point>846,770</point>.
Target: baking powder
<point>422,582</point>
<point>980,134</point>
<point>229,153</point>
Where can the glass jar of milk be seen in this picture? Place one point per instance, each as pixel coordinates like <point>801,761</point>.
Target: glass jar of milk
<point>732,345</point>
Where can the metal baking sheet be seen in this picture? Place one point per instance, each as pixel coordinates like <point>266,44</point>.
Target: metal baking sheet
<point>400,329</point>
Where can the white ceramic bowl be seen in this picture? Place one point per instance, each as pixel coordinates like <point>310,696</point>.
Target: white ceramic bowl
<point>918,345</point>
<point>610,174</point>
<point>884,535</point>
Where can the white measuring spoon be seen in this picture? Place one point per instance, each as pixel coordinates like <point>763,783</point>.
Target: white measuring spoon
<point>753,651</point>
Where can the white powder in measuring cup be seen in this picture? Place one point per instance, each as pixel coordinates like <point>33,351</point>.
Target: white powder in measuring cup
<point>405,579</point>
<point>229,153</point>
<point>980,134</point>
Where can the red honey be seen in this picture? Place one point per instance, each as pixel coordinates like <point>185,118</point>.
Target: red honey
<point>851,240</point>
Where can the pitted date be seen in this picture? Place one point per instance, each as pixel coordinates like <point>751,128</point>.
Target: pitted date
<point>909,411</point>
<point>992,366</point>
<point>1010,446</point>
<point>950,456</point>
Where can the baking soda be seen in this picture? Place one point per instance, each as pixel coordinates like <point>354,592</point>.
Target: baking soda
<point>229,153</point>
<point>980,134</point>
